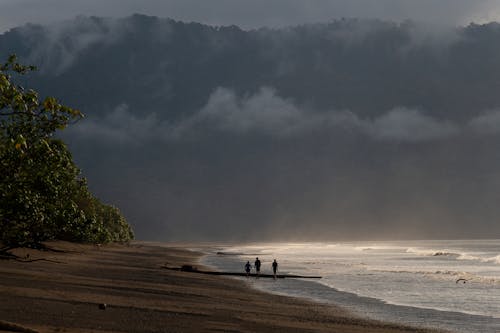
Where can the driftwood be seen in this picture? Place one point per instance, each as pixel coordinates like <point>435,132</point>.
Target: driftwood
<point>193,269</point>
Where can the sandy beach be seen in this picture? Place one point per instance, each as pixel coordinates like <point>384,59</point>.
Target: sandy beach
<point>62,292</point>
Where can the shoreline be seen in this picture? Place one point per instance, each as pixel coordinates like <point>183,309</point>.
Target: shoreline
<point>62,293</point>
<point>358,306</point>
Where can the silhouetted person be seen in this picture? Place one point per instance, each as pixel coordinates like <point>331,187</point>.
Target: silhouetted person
<point>257,266</point>
<point>275,268</point>
<point>248,267</point>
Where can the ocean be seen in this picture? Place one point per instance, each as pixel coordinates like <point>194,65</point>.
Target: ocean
<point>453,285</point>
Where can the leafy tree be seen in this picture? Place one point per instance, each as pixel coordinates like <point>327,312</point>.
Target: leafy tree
<point>42,195</point>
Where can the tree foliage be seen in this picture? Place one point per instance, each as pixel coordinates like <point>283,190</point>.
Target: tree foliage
<point>42,194</point>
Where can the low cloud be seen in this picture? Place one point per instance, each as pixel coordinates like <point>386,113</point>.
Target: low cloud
<point>408,125</point>
<point>62,43</point>
<point>267,114</point>
<point>263,112</point>
<point>487,123</point>
<point>121,126</point>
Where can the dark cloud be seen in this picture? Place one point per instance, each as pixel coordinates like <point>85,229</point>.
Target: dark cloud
<point>265,113</point>
<point>351,129</point>
<point>486,123</point>
<point>406,125</point>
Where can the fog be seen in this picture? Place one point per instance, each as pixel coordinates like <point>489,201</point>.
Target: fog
<point>261,167</point>
<point>349,129</point>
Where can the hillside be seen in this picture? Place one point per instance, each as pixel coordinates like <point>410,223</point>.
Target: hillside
<point>202,132</point>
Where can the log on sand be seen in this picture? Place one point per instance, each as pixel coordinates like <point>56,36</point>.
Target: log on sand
<point>193,269</point>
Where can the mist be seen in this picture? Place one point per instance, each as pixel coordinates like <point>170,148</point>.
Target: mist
<point>345,130</point>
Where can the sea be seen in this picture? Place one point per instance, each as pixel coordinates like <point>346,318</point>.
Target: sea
<point>446,284</point>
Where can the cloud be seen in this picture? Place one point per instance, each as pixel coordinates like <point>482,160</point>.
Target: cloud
<point>407,125</point>
<point>262,112</point>
<point>123,127</point>
<point>62,43</point>
<point>487,123</point>
<point>267,114</point>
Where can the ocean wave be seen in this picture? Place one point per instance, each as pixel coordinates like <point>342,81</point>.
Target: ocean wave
<point>494,259</point>
<point>364,248</point>
<point>445,275</point>
<point>423,272</point>
<point>432,252</point>
<point>469,277</point>
<point>376,247</point>
<point>451,253</point>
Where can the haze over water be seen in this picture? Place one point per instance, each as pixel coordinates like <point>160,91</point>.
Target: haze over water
<point>415,281</point>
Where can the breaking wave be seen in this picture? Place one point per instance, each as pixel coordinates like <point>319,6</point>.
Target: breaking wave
<point>456,255</point>
<point>432,252</point>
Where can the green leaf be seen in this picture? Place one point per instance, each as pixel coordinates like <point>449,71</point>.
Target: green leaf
<point>42,195</point>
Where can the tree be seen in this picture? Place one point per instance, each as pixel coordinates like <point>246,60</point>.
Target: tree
<point>42,194</point>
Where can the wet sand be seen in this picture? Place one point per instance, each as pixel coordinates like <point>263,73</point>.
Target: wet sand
<point>64,291</point>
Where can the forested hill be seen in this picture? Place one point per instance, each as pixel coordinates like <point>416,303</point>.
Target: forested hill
<point>163,65</point>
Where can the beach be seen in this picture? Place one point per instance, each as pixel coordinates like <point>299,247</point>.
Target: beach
<point>126,288</point>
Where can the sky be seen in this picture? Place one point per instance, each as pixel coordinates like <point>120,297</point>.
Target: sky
<point>252,14</point>
<point>317,135</point>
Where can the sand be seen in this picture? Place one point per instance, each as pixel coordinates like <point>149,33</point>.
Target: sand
<point>64,291</point>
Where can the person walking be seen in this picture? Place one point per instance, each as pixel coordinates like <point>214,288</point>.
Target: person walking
<point>248,267</point>
<point>275,268</point>
<point>257,266</point>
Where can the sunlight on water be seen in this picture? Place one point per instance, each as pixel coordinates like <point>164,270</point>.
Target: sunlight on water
<point>454,276</point>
